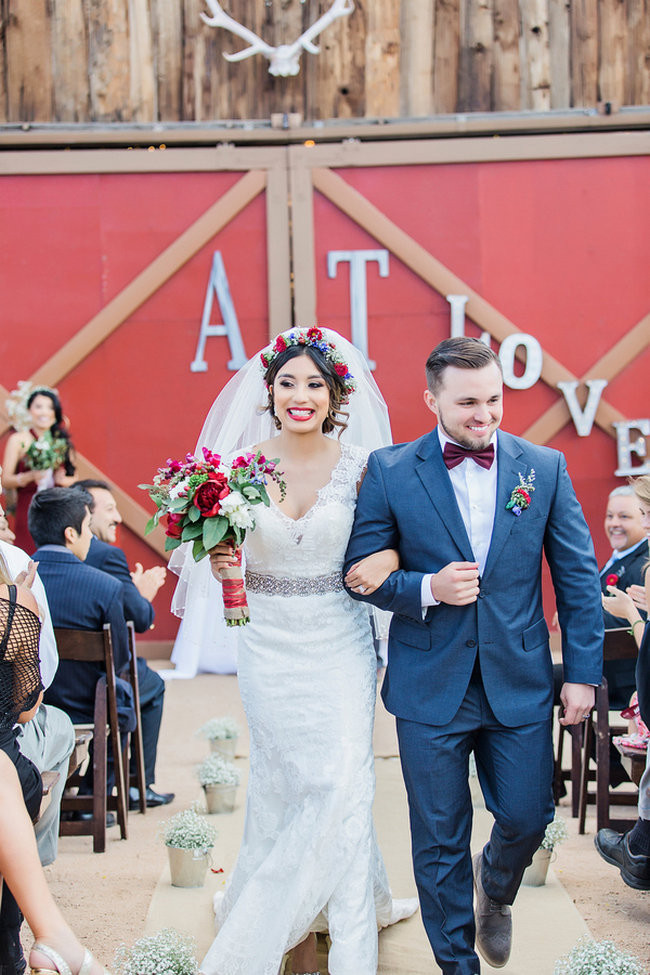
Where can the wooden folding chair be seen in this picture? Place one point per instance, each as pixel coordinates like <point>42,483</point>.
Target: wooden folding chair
<point>618,644</point>
<point>574,773</point>
<point>95,646</point>
<point>134,742</point>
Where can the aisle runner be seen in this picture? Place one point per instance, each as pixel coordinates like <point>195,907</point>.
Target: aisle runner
<point>546,922</point>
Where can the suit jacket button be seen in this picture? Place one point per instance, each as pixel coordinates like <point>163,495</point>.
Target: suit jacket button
<point>470,643</point>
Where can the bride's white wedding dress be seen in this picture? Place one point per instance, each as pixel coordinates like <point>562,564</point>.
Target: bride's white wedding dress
<point>309,858</point>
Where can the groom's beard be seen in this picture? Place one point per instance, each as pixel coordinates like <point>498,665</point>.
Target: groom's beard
<point>464,437</point>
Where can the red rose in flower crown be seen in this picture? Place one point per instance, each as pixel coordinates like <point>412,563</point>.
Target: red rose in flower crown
<point>310,336</point>
<point>209,494</point>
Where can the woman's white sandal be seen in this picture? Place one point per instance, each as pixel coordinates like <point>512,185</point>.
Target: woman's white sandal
<point>62,967</point>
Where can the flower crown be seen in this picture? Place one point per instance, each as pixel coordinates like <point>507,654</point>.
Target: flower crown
<point>314,337</point>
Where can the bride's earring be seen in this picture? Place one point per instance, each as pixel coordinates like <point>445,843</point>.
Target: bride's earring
<point>278,425</point>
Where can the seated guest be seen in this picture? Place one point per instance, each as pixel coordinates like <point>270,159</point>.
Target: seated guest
<point>21,693</point>
<point>626,535</point>
<point>140,586</point>
<point>80,598</point>
<point>138,590</point>
<point>630,851</point>
<point>56,948</point>
<point>48,738</point>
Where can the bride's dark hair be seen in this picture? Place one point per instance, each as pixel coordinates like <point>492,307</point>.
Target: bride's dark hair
<point>336,416</point>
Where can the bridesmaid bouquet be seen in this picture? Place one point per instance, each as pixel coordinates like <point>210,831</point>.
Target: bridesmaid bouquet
<point>205,502</point>
<point>47,453</point>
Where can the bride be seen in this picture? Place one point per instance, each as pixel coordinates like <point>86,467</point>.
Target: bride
<point>309,859</point>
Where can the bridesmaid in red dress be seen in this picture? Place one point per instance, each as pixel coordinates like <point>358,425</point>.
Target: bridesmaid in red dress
<point>45,414</point>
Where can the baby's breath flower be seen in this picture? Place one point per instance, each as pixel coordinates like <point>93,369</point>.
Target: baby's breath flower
<point>556,832</point>
<point>225,727</point>
<point>597,958</point>
<point>215,770</point>
<point>189,831</point>
<point>164,953</point>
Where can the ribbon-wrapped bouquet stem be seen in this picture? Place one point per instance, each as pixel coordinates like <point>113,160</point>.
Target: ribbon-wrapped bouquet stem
<point>206,502</point>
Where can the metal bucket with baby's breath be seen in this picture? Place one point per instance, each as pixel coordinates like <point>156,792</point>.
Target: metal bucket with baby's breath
<point>219,779</point>
<point>189,839</point>
<point>224,746</point>
<point>220,798</point>
<point>556,832</point>
<point>222,734</point>
<point>187,867</point>
<point>535,874</point>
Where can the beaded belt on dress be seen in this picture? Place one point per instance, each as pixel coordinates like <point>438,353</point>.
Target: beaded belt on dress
<point>277,586</point>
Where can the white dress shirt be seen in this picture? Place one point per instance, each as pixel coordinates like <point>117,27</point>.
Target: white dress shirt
<point>475,488</point>
<point>17,561</point>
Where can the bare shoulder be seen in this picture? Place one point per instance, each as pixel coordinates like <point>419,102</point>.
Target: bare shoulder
<point>24,598</point>
<point>266,447</point>
<point>19,440</point>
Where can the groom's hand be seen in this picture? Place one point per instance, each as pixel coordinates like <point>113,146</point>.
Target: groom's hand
<point>578,700</point>
<point>456,584</point>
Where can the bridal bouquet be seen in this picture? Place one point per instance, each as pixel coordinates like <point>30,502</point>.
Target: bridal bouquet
<point>205,502</point>
<point>47,453</point>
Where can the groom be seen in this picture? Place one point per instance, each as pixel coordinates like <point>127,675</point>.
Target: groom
<point>469,666</point>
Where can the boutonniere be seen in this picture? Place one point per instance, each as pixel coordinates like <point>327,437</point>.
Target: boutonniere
<point>520,497</point>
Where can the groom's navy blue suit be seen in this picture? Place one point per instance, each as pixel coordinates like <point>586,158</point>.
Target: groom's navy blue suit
<point>477,677</point>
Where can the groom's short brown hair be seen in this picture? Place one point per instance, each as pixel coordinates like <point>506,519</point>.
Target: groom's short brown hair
<point>464,353</point>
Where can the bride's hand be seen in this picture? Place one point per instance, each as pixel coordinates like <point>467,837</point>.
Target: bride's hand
<point>370,573</point>
<point>222,556</point>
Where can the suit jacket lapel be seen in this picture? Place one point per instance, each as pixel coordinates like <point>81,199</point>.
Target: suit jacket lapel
<point>510,465</point>
<point>432,472</point>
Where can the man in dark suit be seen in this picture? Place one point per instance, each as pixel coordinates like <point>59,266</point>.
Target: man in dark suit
<point>80,598</point>
<point>138,591</point>
<point>623,569</point>
<point>469,665</point>
<point>630,851</point>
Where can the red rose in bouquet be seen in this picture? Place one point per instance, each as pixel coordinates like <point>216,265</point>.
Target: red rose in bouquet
<point>206,503</point>
<point>174,526</point>
<point>209,494</point>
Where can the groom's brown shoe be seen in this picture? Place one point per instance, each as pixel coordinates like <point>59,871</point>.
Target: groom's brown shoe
<point>493,922</point>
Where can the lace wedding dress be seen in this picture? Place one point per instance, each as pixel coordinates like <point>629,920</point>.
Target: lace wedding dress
<point>309,858</point>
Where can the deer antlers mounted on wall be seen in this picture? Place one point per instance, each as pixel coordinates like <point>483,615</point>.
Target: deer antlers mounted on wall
<point>284,59</point>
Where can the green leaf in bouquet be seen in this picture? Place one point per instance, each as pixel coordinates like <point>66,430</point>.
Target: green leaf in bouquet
<point>194,514</point>
<point>214,530</point>
<point>151,524</point>
<point>178,505</point>
<point>198,551</point>
<point>251,492</point>
<point>191,531</point>
<point>171,543</point>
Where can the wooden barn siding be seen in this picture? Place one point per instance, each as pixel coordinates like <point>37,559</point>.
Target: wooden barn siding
<point>155,60</point>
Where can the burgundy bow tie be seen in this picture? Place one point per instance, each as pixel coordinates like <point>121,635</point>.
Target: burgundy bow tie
<point>454,454</point>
